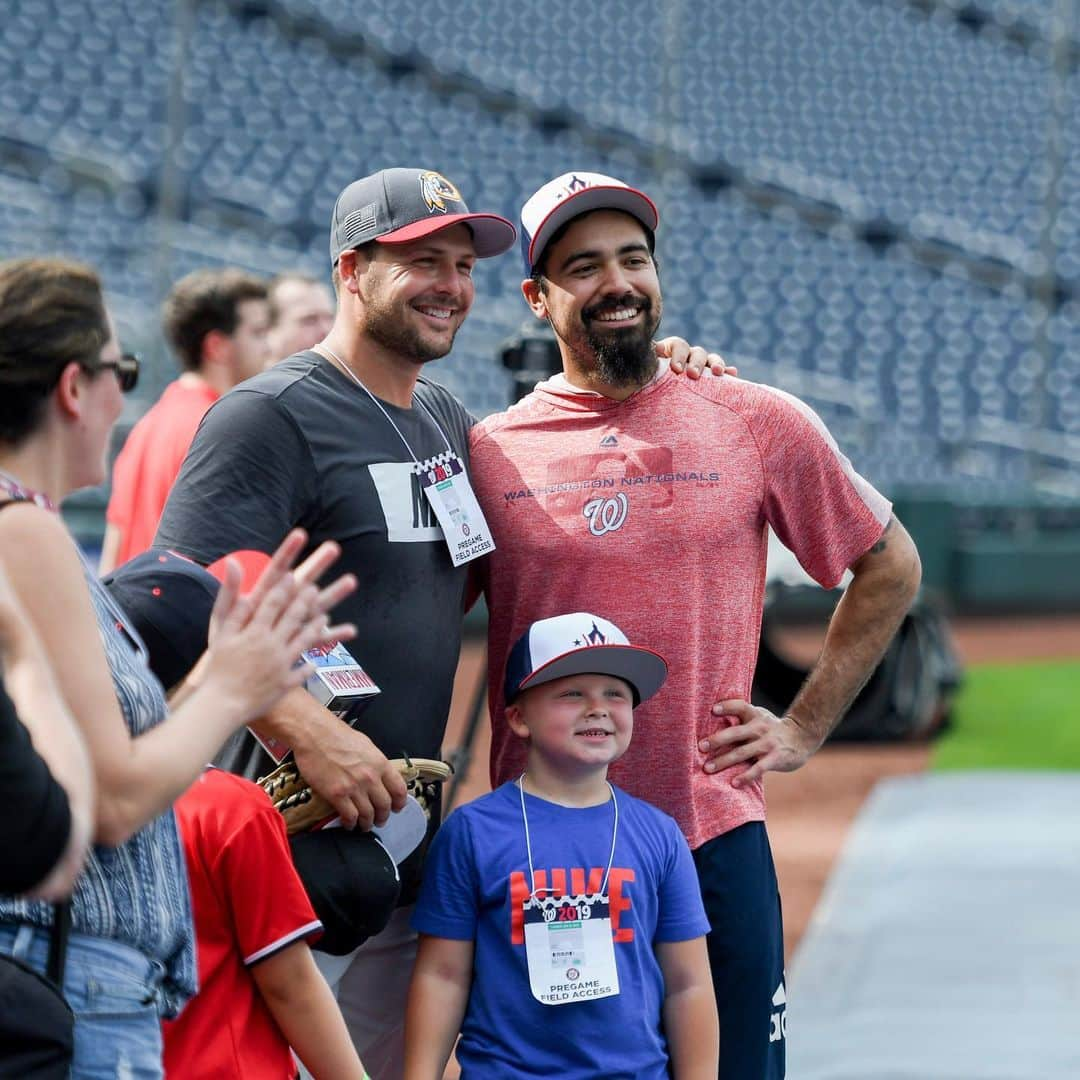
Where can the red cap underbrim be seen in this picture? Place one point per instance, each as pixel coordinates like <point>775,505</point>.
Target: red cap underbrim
<point>252,564</point>
<point>492,235</point>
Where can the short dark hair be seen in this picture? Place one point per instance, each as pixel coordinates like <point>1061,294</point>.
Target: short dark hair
<point>204,301</point>
<point>52,313</point>
<point>539,270</point>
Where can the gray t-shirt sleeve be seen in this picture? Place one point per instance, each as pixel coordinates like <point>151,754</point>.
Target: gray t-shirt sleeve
<point>247,479</point>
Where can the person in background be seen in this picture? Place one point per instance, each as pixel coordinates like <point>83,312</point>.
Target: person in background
<point>217,323</point>
<point>301,314</point>
<point>130,955</point>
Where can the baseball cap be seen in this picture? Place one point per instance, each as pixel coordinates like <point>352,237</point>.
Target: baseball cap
<point>581,644</point>
<point>352,884</point>
<point>169,599</point>
<point>397,205</point>
<point>573,194</point>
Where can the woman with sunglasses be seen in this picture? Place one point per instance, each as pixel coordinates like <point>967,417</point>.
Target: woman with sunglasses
<point>130,956</point>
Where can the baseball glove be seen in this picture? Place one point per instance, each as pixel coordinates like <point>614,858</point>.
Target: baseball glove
<point>305,809</point>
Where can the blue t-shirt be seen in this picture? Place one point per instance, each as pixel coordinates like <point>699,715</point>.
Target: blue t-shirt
<point>475,882</point>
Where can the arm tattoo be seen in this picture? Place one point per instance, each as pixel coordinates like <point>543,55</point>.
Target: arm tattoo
<point>881,544</point>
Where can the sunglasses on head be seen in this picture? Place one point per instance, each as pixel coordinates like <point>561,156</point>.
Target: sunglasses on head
<point>126,368</point>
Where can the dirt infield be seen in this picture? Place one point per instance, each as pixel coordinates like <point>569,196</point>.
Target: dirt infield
<point>811,810</point>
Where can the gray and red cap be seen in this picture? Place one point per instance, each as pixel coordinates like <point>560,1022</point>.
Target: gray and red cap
<point>571,195</point>
<point>395,206</point>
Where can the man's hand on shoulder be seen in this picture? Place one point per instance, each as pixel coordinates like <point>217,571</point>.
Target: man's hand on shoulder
<point>768,743</point>
<point>692,360</point>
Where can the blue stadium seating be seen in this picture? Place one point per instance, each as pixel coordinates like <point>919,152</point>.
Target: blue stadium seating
<point>874,111</point>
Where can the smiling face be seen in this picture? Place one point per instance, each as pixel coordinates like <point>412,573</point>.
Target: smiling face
<point>574,725</point>
<point>601,294</point>
<point>416,295</point>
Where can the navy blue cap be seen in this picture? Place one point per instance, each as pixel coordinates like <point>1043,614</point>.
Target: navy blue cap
<point>169,600</point>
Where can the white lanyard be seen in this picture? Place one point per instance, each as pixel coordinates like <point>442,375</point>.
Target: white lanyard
<point>528,842</point>
<point>379,405</point>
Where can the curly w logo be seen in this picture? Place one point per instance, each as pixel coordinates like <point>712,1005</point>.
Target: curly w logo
<point>606,515</point>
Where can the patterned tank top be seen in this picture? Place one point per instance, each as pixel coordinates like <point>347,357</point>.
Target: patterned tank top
<point>137,893</point>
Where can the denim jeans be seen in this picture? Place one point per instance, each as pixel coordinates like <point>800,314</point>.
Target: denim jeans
<point>114,992</point>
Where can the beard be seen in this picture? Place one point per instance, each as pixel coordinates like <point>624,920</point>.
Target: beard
<point>623,357</point>
<point>392,330</point>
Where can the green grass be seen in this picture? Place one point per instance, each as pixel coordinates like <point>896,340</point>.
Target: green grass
<point>1016,716</point>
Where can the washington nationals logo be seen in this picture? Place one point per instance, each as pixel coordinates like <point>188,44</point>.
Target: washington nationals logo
<point>437,191</point>
<point>606,515</point>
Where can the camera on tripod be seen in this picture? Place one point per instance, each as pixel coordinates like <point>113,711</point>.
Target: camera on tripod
<point>530,355</point>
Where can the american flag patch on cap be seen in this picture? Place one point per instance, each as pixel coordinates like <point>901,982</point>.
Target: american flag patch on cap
<point>359,223</point>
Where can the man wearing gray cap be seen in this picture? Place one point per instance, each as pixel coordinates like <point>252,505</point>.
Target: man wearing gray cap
<point>331,438</point>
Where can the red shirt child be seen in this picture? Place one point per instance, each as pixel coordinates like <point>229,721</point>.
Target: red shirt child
<point>253,920</point>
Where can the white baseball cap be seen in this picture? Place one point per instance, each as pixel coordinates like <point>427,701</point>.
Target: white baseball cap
<point>573,194</point>
<point>581,644</point>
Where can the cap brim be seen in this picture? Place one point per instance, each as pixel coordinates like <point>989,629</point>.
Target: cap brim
<point>643,669</point>
<point>602,197</point>
<point>252,564</point>
<point>492,235</point>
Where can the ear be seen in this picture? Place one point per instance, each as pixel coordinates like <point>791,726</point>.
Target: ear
<point>216,348</point>
<point>69,391</point>
<point>351,267</point>
<point>516,722</point>
<point>535,298</point>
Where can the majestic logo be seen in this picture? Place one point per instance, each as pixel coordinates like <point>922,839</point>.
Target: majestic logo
<point>437,192</point>
<point>778,1020</point>
<point>609,440</point>
<point>594,637</point>
<point>575,185</point>
<point>606,515</point>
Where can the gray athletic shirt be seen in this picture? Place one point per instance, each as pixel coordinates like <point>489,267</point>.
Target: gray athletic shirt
<point>302,444</point>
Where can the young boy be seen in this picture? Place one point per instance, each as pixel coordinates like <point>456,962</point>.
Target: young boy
<point>561,926</point>
<point>260,992</point>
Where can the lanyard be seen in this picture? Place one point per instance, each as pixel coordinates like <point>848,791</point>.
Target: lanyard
<point>12,486</point>
<point>528,842</point>
<point>379,405</point>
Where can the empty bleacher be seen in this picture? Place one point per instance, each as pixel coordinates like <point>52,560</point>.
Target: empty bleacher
<point>854,193</point>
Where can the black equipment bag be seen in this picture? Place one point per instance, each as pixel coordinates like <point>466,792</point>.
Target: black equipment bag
<point>907,697</point>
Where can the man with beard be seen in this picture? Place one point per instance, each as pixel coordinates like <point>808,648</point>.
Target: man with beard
<point>330,437</point>
<point>617,488</point>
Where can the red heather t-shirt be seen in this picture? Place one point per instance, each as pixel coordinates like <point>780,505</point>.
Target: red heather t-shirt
<point>654,513</point>
<point>249,903</point>
<point>150,461</point>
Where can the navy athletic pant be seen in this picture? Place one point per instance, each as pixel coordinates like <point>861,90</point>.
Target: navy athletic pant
<point>746,951</point>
